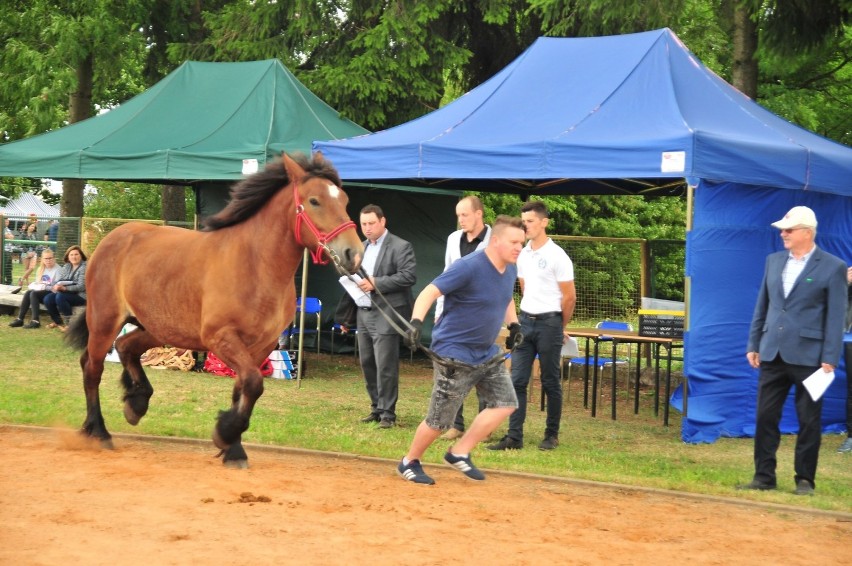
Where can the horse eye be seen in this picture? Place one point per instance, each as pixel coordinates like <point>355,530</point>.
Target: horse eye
<point>314,201</point>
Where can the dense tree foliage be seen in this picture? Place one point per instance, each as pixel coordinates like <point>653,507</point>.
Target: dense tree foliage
<point>383,62</point>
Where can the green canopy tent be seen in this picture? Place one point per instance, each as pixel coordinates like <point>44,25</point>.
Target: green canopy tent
<point>207,125</point>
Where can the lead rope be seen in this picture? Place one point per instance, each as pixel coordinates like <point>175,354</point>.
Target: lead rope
<point>495,361</point>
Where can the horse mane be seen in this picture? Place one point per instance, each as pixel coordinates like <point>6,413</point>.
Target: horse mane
<point>252,193</point>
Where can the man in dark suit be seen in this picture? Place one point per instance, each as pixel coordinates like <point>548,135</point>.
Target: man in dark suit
<point>390,265</point>
<point>846,446</point>
<point>796,330</point>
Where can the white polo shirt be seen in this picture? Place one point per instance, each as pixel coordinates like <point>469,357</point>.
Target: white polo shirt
<point>542,270</point>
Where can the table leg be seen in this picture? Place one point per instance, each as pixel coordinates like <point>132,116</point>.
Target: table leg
<point>638,374</point>
<point>614,366</point>
<point>656,380</point>
<point>586,378</point>
<point>595,382</point>
<point>668,386</point>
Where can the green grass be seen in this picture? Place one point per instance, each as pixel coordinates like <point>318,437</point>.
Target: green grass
<point>42,385</point>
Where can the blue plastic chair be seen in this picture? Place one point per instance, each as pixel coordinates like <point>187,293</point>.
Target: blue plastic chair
<point>313,307</point>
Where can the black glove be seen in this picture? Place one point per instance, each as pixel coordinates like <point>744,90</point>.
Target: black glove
<point>412,335</point>
<point>515,337</point>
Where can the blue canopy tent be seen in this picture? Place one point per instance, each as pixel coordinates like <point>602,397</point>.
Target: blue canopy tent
<point>639,114</point>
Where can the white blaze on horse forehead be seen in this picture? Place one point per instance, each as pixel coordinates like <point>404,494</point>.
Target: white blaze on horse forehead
<point>333,190</point>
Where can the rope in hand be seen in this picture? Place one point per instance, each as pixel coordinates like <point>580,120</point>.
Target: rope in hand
<point>410,331</point>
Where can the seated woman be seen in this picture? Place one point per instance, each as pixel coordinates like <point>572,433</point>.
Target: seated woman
<point>46,276</point>
<point>70,289</point>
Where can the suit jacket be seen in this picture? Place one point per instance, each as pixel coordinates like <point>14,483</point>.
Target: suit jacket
<point>393,276</point>
<point>806,327</point>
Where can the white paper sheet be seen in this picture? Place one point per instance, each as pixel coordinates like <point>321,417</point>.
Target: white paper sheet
<point>817,383</point>
<point>351,285</point>
<point>570,349</point>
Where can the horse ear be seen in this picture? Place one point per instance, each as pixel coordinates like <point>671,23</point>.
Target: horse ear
<point>294,170</point>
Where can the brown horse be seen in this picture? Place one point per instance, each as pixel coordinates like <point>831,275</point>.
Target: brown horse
<point>229,289</point>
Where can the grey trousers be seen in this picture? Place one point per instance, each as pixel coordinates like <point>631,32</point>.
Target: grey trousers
<point>380,365</point>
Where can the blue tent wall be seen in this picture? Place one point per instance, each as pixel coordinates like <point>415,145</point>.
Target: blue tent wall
<point>725,255</point>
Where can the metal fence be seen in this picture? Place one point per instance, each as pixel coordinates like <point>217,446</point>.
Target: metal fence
<point>57,234</point>
<point>612,275</point>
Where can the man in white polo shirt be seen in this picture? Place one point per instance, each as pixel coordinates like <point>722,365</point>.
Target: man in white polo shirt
<point>546,275</point>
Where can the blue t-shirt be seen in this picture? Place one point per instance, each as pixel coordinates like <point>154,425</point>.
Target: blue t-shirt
<point>475,299</point>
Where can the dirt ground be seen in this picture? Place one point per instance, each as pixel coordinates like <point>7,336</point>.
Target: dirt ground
<point>153,502</point>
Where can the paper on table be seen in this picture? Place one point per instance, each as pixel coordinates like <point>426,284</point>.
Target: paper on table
<point>351,285</point>
<point>817,382</point>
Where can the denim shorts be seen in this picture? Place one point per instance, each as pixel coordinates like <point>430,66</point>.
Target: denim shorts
<point>452,384</point>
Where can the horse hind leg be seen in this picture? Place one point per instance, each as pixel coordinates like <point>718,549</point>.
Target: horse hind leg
<point>137,388</point>
<point>94,426</point>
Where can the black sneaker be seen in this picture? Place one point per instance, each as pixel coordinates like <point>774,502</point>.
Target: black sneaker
<point>464,465</point>
<point>17,323</point>
<point>549,443</point>
<point>33,324</point>
<point>413,472</point>
<point>507,443</point>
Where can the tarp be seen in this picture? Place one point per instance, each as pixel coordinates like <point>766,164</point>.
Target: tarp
<point>27,204</point>
<point>203,121</point>
<point>634,114</point>
<point>200,124</point>
<point>727,249</point>
<point>598,115</point>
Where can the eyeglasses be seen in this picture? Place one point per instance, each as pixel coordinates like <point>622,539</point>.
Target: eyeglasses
<point>791,230</point>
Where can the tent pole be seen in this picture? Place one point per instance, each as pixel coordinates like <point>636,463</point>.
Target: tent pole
<point>687,281</point>
<point>299,363</point>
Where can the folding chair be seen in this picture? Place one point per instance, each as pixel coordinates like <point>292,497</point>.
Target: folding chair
<point>602,361</point>
<point>313,307</point>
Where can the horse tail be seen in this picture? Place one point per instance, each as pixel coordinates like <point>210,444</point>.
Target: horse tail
<point>77,334</point>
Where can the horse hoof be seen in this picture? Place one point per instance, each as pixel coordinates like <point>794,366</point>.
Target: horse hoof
<point>107,444</point>
<point>130,415</point>
<point>236,464</point>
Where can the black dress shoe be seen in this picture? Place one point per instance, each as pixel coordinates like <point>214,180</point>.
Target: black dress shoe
<point>804,487</point>
<point>386,423</point>
<point>371,418</point>
<point>757,486</point>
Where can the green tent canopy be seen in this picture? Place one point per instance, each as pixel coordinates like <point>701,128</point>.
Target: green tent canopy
<point>208,125</point>
<point>204,121</point>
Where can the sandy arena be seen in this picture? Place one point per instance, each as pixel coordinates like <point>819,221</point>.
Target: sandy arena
<point>154,503</point>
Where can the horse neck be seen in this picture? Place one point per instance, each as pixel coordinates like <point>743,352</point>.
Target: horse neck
<point>271,232</point>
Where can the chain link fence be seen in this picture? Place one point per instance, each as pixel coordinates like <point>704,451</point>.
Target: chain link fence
<point>20,241</point>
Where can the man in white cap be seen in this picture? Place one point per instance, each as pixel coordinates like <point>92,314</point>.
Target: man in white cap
<point>797,329</point>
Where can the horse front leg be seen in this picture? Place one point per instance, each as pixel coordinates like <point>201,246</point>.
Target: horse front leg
<point>231,424</point>
<point>94,426</point>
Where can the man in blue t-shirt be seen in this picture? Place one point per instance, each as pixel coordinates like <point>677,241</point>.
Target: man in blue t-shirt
<point>477,291</point>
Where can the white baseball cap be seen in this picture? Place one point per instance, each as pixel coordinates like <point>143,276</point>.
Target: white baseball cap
<point>798,217</point>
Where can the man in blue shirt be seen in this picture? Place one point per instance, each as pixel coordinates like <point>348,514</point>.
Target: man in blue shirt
<point>477,291</point>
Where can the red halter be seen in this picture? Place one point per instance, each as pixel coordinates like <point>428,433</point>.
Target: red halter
<point>323,239</point>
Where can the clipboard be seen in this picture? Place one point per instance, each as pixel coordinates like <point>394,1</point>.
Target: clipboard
<point>350,284</point>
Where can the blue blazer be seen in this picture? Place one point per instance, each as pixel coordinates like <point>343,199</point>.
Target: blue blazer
<point>806,327</point>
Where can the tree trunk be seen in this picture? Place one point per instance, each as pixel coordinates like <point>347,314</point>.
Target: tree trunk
<point>744,72</point>
<point>174,203</point>
<point>79,108</point>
